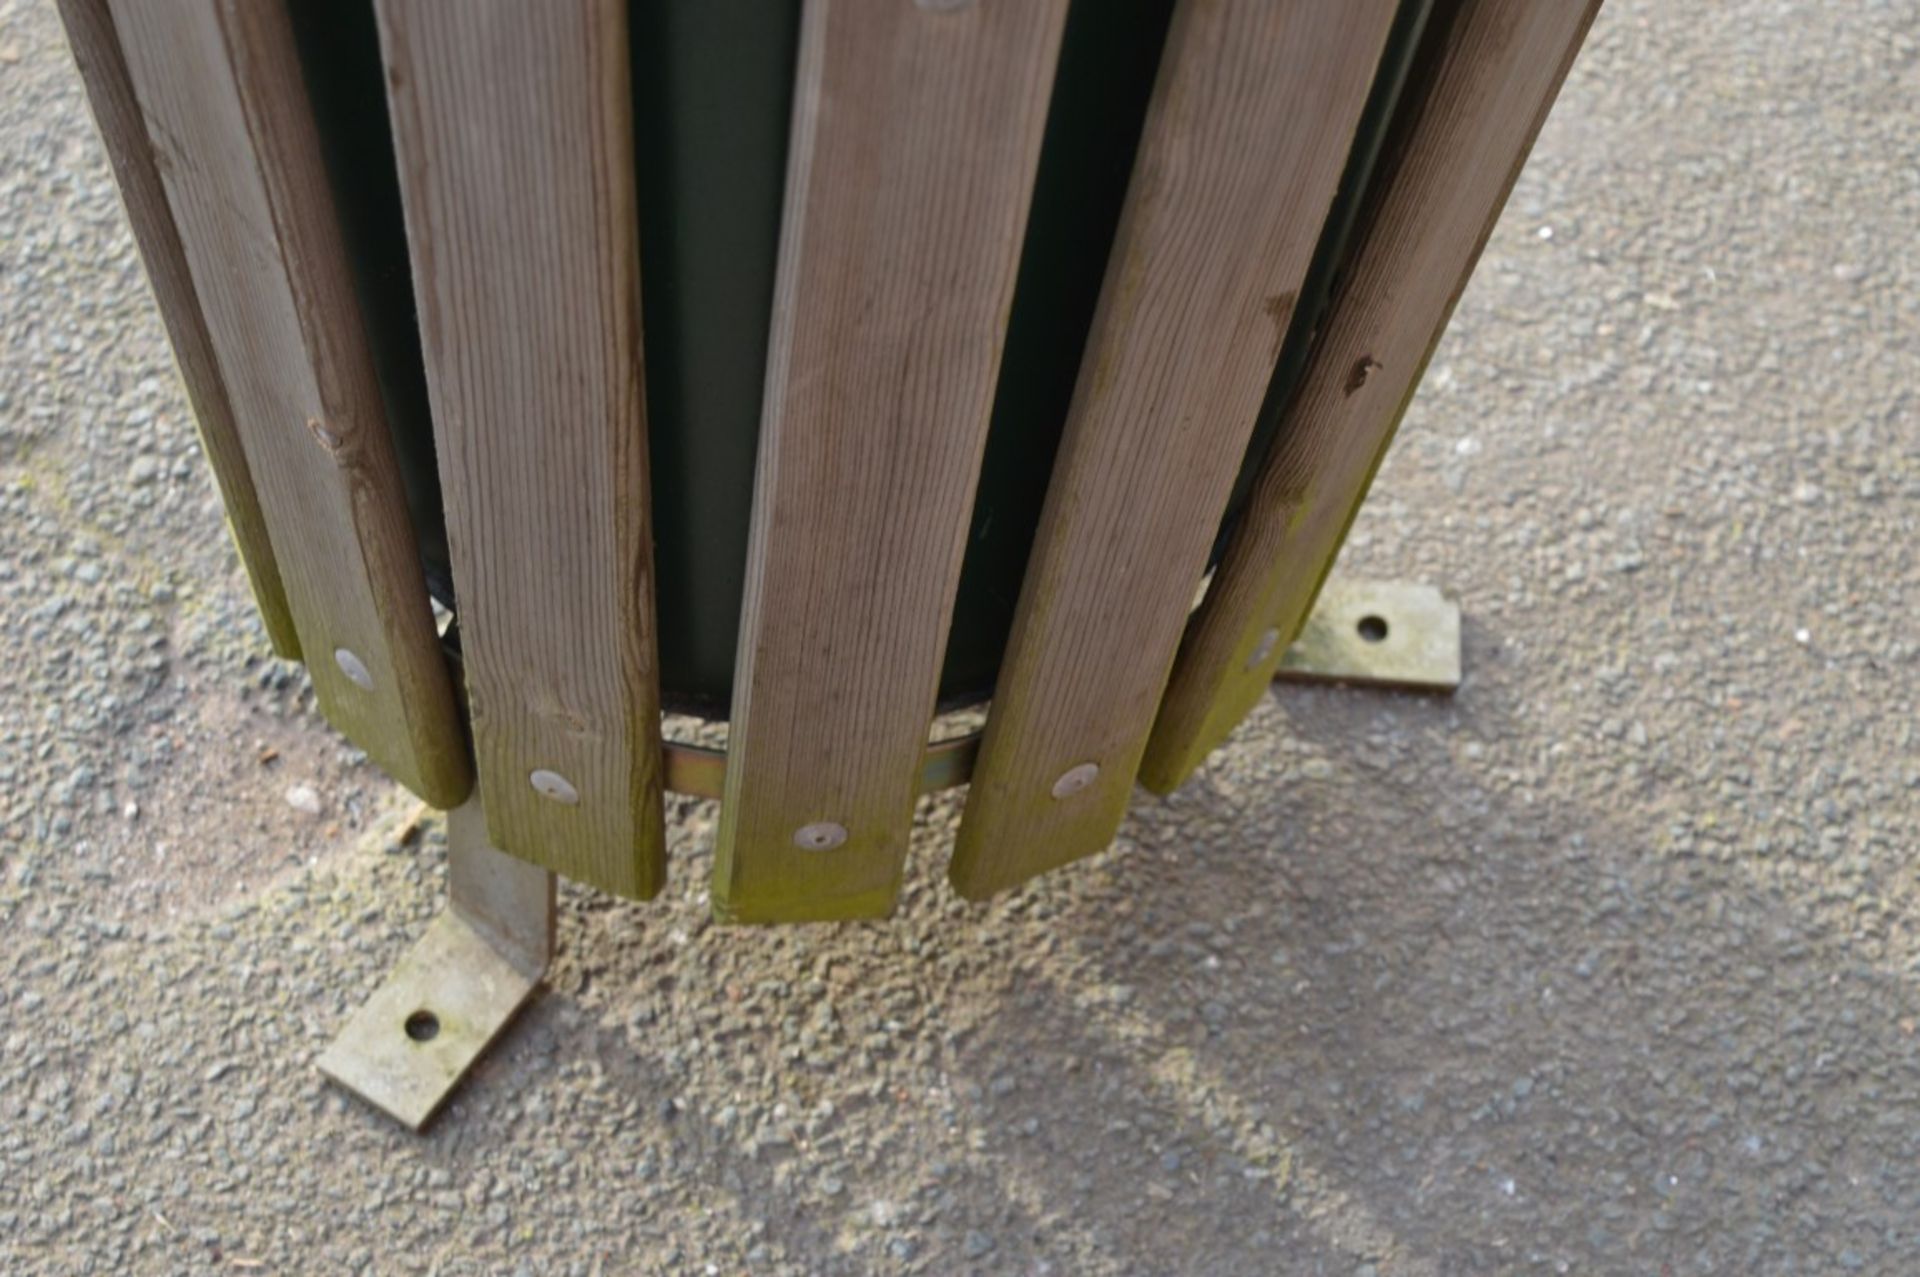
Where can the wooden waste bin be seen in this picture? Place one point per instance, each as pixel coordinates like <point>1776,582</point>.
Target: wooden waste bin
<point>814,366</point>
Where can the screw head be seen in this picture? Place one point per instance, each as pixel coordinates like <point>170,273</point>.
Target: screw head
<point>354,668</point>
<point>328,437</point>
<point>1075,779</point>
<point>1264,648</point>
<point>553,785</point>
<point>822,835</point>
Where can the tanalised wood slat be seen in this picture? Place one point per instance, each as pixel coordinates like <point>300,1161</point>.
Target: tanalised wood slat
<point>916,134</point>
<point>103,69</point>
<point>219,86</point>
<point>513,129</point>
<point>1493,79</point>
<point>1251,121</point>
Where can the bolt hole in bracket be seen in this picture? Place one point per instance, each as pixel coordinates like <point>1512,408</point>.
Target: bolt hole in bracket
<point>1388,634</point>
<point>410,1044</point>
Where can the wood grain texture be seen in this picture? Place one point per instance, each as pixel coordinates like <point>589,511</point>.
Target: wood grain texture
<point>916,134</point>
<point>513,128</point>
<point>219,86</point>
<point>1493,81</point>
<point>1249,128</point>
<point>103,70</point>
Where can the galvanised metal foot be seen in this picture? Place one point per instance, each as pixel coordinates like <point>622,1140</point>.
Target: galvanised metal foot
<point>406,1049</point>
<point>1377,634</point>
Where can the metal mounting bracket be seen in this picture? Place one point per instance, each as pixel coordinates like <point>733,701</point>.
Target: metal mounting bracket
<point>410,1044</point>
<point>1377,634</point>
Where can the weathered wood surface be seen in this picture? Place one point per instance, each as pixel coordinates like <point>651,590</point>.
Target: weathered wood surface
<point>103,70</point>
<point>513,129</point>
<point>1249,129</point>
<point>219,86</point>
<point>1493,80</point>
<point>916,133</point>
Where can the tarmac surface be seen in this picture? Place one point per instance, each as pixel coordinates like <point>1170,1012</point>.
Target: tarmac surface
<point>1608,964</point>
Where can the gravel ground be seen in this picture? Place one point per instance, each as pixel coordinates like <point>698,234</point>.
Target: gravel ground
<point>1603,966</point>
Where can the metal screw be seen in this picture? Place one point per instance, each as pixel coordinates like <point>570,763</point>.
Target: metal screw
<point>1075,779</point>
<point>324,433</point>
<point>354,668</point>
<point>555,786</point>
<point>1264,648</point>
<point>822,835</point>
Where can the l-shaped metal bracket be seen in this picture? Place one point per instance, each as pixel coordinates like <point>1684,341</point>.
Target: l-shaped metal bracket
<point>410,1044</point>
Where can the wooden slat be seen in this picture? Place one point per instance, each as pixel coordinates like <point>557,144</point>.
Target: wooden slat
<point>513,128</point>
<point>1250,125</point>
<point>916,133</point>
<point>96,51</point>
<point>1490,87</point>
<point>218,83</point>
